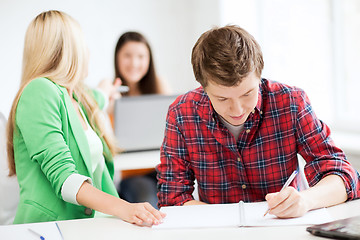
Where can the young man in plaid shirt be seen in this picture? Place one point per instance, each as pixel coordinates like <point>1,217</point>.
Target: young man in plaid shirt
<point>239,135</point>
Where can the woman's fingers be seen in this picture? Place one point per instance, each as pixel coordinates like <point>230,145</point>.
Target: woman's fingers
<point>117,82</point>
<point>156,213</point>
<point>145,214</point>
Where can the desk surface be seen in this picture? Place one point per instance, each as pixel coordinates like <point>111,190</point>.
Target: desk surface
<point>112,228</point>
<point>137,160</point>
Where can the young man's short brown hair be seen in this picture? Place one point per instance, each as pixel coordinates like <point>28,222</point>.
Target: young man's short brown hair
<point>225,56</point>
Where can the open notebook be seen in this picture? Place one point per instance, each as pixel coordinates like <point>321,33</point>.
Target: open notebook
<point>231,215</point>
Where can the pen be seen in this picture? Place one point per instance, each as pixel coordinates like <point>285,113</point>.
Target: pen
<point>57,226</point>
<point>287,183</point>
<point>37,234</point>
<point>123,89</point>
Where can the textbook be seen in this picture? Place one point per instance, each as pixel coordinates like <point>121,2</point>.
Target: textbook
<point>233,215</point>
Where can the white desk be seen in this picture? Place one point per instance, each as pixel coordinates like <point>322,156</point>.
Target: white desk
<point>113,228</point>
<point>136,160</point>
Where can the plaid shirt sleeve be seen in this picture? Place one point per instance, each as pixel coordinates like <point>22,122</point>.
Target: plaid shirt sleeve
<point>175,178</point>
<point>319,151</point>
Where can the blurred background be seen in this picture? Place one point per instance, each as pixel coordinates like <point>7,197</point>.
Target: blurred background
<point>312,44</point>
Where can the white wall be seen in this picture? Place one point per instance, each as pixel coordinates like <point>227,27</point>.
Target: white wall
<point>171,26</point>
<point>296,43</point>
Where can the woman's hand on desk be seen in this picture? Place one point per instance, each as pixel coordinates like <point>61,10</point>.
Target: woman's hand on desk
<point>142,214</point>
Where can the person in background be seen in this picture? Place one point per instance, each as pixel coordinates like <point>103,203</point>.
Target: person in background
<point>134,65</point>
<point>56,145</point>
<point>239,135</point>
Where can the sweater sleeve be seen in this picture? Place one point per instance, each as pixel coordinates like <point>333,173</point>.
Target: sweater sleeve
<point>71,187</point>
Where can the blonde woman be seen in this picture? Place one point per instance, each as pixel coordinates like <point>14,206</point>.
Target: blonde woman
<point>57,146</point>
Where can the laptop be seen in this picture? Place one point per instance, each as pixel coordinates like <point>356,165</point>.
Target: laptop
<point>348,228</point>
<point>139,121</point>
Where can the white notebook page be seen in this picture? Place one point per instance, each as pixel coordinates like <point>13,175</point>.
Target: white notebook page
<point>199,216</point>
<point>228,215</point>
<point>254,216</point>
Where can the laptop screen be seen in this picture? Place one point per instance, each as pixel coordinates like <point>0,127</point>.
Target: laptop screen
<point>140,121</point>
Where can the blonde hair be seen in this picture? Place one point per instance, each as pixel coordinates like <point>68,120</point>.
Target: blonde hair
<point>55,48</point>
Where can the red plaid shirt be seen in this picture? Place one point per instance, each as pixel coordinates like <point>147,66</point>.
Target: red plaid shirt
<point>283,124</point>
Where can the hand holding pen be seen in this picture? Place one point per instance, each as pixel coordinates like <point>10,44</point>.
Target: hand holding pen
<point>284,201</point>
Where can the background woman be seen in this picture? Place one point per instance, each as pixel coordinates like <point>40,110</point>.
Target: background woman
<point>57,146</point>
<point>134,65</point>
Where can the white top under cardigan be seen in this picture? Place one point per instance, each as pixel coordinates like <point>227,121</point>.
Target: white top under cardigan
<point>73,183</point>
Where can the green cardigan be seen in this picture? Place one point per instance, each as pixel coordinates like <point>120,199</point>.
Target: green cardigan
<point>50,145</point>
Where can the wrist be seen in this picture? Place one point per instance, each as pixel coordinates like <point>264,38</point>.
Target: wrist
<point>121,209</point>
<point>309,201</point>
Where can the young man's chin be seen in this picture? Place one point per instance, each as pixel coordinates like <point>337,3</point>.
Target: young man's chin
<point>235,122</point>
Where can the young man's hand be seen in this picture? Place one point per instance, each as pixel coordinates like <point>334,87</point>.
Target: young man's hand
<point>290,203</point>
<point>287,203</point>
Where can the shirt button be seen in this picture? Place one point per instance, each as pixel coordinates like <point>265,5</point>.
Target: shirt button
<point>243,186</point>
<point>253,111</point>
<point>88,211</point>
<point>261,112</point>
<point>239,159</point>
<point>247,130</point>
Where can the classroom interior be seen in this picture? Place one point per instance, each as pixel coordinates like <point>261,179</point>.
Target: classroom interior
<point>310,44</point>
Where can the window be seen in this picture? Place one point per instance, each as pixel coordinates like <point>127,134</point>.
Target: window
<point>347,44</point>
<point>314,45</point>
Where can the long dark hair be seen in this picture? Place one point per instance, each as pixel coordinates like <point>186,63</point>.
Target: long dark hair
<point>149,83</point>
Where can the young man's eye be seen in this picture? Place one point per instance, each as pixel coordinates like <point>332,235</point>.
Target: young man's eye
<point>247,94</point>
<point>222,99</point>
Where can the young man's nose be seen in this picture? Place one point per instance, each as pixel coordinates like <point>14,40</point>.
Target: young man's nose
<point>236,108</point>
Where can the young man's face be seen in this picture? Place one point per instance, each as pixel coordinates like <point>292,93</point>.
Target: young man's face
<point>235,103</point>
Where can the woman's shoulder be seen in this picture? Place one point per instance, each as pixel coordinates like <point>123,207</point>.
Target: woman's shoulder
<point>42,82</point>
<point>42,87</point>
<point>41,90</point>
